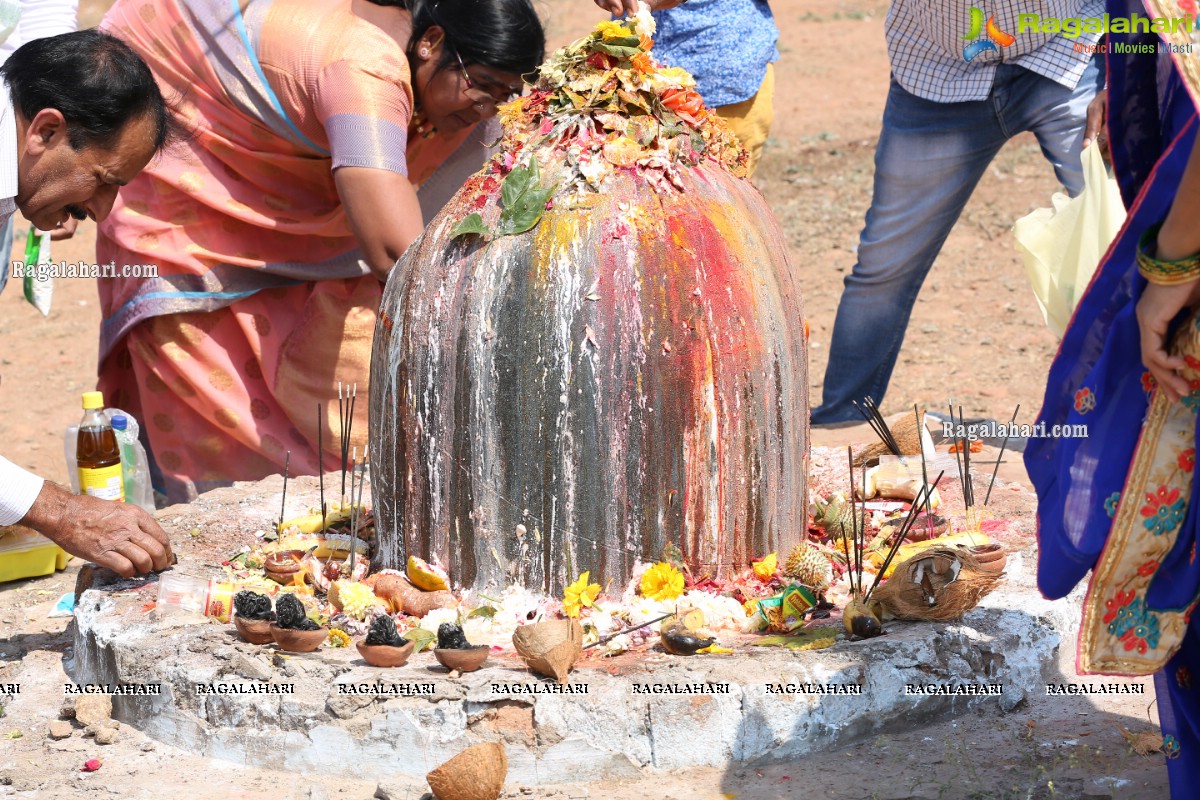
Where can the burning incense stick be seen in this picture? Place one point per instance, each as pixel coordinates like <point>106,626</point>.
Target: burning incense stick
<point>849,563</point>
<point>287,462</point>
<point>924,471</point>
<point>342,444</point>
<point>1007,432</point>
<point>968,487</point>
<point>320,464</point>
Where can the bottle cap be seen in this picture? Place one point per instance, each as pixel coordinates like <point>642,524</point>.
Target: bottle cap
<point>119,422</point>
<point>93,400</point>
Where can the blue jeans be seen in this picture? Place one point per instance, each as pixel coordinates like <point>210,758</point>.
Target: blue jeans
<point>929,158</point>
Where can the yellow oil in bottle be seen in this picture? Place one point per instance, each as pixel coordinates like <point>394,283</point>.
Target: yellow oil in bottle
<point>97,454</point>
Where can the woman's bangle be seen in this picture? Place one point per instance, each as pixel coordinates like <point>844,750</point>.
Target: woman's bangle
<point>1164,273</point>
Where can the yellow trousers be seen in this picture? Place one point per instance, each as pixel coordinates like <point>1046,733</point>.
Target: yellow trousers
<point>751,118</point>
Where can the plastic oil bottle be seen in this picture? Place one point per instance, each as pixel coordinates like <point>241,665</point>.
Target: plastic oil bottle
<point>131,474</point>
<point>97,454</point>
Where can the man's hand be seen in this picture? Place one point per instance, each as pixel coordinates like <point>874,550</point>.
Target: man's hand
<point>65,230</point>
<point>1096,127</point>
<point>119,536</point>
<point>627,8</point>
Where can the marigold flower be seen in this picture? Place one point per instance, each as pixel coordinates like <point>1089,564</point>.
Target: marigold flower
<point>642,63</point>
<point>338,638</point>
<point>610,30</point>
<point>765,569</point>
<point>662,582</point>
<point>580,595</point>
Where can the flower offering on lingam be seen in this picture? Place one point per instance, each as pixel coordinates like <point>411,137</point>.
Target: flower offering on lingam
<point>596,349</point>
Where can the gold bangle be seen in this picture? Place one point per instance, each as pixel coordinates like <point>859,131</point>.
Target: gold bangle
<point>1164,273</point>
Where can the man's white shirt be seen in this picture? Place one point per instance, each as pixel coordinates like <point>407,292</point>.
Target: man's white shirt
<point>19,488</point>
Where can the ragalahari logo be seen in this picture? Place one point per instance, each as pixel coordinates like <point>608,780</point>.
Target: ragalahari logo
<point>994,36</point>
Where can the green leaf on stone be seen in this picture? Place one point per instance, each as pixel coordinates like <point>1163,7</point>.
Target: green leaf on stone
<point>807,639</point>
<point>472,224</point>
<point>420,638</point>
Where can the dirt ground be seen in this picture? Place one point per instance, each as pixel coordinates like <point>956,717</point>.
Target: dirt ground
<point>977,337</point>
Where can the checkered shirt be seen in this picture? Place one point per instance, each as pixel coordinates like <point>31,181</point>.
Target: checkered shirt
<point>925,40</point>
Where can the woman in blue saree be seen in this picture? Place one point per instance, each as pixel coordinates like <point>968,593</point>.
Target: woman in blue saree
<point>1120,502</point>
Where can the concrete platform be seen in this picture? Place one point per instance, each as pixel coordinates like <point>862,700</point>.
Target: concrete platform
<point>638,712</point>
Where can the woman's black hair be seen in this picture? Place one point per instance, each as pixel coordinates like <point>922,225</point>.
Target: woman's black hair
<point>505,35</point>
<point>95,80</point>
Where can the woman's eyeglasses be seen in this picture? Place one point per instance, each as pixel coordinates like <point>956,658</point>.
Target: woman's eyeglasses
<point>482,96</point>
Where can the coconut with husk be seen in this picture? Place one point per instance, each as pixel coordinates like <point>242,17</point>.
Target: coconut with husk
<point>550,648</point>
<point>476,773</point>
<point>941,584</point>
<point>909,437</point>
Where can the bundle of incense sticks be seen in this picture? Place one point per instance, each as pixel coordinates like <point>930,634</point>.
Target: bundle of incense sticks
<point>347,399</point>
<point>858,530</point>
<point>356,504</point>
<point>878,424</point>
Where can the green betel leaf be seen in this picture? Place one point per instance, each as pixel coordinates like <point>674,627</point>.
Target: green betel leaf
<point>524,200</point>
<point>486,612</point>
<point>473,223</point>
<point>518,181</point>
<point>420,638</point>
<point>613,48</point>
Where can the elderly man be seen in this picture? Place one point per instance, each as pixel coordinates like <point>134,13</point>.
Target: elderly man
<point>959,91</point>
<point>80,115</point>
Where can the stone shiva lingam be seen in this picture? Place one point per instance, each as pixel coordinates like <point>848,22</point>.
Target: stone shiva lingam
<point>596,351</point>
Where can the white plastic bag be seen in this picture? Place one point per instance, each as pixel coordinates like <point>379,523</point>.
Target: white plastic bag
<point>1063,245</point>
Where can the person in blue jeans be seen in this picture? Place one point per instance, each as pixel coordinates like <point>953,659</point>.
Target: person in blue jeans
<point>950,109</point>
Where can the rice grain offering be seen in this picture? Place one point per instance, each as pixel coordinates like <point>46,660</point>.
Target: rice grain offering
<point>596,350</point>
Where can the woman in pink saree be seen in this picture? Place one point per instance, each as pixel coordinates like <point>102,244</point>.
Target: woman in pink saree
<point>321,130</point>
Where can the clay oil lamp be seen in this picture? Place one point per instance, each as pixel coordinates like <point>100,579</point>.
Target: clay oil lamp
<point>454,652</point>
<point>293,630</point>
<point>384,647</point>
<point>283,567</point>
<point>253,617</point>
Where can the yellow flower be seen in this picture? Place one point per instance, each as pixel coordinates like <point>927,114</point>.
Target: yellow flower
<point>766,568</point>
<point>662,582</point>
<point>610,30</point>
<point>580,595</point>
<point>714,648</point>
<point>338,638</point>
